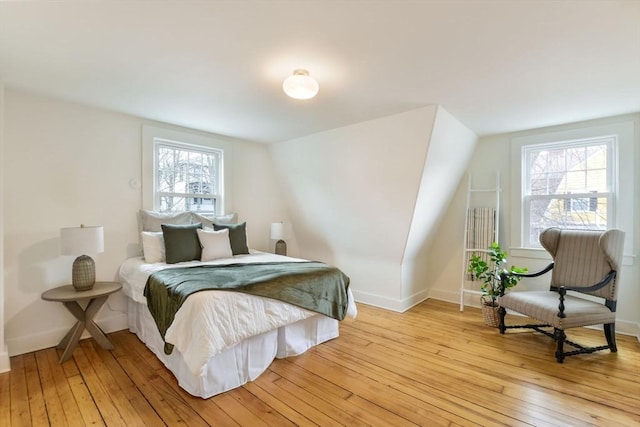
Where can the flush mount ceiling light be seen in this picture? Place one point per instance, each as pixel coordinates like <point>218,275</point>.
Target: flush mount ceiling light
<point>300,85</point>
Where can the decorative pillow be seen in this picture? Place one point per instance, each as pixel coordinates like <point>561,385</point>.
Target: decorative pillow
<point>181,242</point>
<point>152,221</point>
<point>208,221</point>
<point>237,237</point>
<point>153,246</point>
<point>215,244</point>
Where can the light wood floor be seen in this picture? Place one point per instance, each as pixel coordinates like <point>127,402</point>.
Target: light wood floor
<point>430,366</point>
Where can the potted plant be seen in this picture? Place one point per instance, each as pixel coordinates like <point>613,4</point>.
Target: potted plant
<point>496,279</point>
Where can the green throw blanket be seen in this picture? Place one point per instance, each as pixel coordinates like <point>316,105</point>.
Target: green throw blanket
<point>311,285</point>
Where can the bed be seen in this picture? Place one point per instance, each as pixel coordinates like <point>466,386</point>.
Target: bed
<point>220,339</point>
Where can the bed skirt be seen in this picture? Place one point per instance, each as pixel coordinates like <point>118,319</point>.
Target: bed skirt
<point>241,363</point>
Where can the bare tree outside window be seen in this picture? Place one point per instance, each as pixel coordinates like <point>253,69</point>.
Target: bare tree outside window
<point>187,179</point>
<point>567,185</point>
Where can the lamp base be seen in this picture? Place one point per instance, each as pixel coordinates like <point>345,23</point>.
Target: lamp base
<point>83,274</point>
<point>281,247</point>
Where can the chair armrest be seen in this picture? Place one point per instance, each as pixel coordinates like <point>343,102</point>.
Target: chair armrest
<point>539,273</point>
<point>601,284</point>
<point>562,291</point>
<point>503,276</point>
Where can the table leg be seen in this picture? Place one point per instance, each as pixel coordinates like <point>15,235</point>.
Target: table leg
<point>72,338</point>
<point>95,331</point>
<point>85,320</point>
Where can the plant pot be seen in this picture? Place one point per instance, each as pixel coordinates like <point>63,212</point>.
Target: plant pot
<point>490,313</point>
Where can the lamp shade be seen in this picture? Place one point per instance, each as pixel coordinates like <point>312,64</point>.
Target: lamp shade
<point>277,231</point>
<point>300,85</point>
<point>81,240</point>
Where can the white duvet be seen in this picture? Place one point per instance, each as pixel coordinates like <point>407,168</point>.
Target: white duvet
<point>210,322</point>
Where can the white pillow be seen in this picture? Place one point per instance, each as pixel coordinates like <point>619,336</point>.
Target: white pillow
<point>153,247</point>
<point>215,244</point>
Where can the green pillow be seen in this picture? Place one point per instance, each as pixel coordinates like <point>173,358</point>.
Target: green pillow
<point>237,237</point>
<point>181,242</point>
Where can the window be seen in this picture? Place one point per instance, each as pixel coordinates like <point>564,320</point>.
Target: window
<point>579,175</point>
<point>568,185</point>
<point>185,171</point>
<point>187,178</point>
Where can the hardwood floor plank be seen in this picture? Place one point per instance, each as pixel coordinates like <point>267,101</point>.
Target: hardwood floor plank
<point>328,393</point>
<point>145,411</point>
<point>88,410</point>
<point>470,380</point>
<point>268,381</point>
<point>431,366</point>
<point>113,387</point>
<point>5,399</point>
<point>207,409</point>
<point>71,410</point>
<point>403,405</point>
<point>55,411</point>
<point>448,405</point>
<point>34,388</point>
<point>20,413</point>
<point>259,408</point>
<point>236,410</point>
<point>101,395</point>
<point>171,408</point>
<point>287,411</point>
<point>339,411</point>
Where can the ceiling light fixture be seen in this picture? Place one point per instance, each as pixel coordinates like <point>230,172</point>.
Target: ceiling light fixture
<point>300,85</point>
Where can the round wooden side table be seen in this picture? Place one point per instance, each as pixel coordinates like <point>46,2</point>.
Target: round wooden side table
<point>71,298</point>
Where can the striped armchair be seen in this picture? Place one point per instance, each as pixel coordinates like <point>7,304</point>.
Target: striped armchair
<point>586,262</point>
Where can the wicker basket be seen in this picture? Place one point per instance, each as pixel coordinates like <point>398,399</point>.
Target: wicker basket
<point>490,313</point>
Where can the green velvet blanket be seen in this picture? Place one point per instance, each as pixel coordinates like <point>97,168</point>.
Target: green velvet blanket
<point>311,285</point>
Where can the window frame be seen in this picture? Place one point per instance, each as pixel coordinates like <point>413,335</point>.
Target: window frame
<point>611,143</point>
<point>623,181</point>
<point>187,140</point>
<point>217,198</point>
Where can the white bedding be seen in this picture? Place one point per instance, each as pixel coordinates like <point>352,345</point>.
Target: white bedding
<point>229,317</point>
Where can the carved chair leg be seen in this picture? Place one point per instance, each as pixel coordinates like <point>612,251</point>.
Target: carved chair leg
<point>502,312</point>
<point>560,337</point>
<point>610,334</point>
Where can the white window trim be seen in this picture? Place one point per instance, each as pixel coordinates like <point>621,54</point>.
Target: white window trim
<point>218,197</point>
<point>611,142</point>
<point>623,184</point>
<point>150,133</point>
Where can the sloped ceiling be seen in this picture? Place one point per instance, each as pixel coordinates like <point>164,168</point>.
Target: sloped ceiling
<point>218,66</point>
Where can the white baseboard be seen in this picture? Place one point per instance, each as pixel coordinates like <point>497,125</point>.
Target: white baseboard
<point>447,296</point>
<point>398,305</point>
<point>51,338</point>
<point>628,328</point>
<point>5,365</point>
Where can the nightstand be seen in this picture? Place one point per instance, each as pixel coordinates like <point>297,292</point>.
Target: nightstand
<point>71,298</point>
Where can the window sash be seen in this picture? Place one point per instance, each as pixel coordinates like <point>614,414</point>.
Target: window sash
<point>213,180</point>
<point>566,215</point>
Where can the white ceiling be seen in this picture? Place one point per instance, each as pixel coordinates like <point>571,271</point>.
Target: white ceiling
<point>218,66</point>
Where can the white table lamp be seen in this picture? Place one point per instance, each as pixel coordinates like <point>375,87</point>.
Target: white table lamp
<point>82,241</point>
<point>277,233</point>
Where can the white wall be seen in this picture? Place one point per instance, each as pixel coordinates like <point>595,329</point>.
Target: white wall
<point>493,153</point>
<point>4,353</point>
<point>450,149</point>
<point>67,164</point>
<point>357,194</point>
